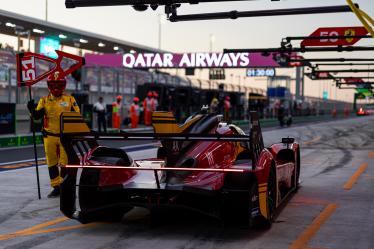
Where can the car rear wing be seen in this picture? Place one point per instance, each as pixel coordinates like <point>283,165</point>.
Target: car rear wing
<point>78,139</point>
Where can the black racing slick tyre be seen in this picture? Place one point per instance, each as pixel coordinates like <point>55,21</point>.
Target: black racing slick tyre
<point>98,205</point>
<point>271,200</point>
<point>253,205</point>
<point>296,173</point>
<point>114,214</point>
<point>298,165</point>
<point>236,201</point>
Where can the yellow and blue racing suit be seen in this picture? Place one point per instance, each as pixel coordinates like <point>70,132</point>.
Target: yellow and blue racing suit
<point>54,151</point>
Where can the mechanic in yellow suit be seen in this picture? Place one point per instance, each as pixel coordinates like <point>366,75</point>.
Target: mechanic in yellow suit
<point>49,108</point>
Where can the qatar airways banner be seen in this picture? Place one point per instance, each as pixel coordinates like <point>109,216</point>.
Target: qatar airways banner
<point>182,60</point>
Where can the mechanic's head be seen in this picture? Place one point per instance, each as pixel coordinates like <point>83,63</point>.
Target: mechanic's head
<point>101,99</point>
<point>227,97</point>
<point>56,84</point>
<point>149,94</point>
<point>155,94</point>
<point>119,98</point>
<point>136,100</point>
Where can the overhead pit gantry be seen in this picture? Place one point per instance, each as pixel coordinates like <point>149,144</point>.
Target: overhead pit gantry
<point>171,7</point>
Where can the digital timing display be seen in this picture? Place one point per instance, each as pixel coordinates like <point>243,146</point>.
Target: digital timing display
<point>261,72</point>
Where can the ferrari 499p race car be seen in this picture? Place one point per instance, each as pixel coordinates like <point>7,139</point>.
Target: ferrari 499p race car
<point>205,164</point>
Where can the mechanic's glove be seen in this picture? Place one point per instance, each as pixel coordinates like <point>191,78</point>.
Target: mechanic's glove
<point>31,106</point>
<point>36,114</point>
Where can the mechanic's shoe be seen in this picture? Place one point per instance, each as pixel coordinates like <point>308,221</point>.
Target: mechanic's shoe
<point>54,193</point>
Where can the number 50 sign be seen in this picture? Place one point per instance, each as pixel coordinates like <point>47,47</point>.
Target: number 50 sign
<point>335,36</point>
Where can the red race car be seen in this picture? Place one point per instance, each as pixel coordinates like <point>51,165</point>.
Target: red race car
<point>205,165</point>
<point>364,112</point>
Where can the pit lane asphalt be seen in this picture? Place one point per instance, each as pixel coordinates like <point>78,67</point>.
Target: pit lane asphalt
<point>334,208</point>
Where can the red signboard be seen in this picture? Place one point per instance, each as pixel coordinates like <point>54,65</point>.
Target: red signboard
<point>323,75</point>
<point>28,68</point>
<point>28,75</point>
<point>296,63</point>
<point>329,36</point>
<point>353,80</point>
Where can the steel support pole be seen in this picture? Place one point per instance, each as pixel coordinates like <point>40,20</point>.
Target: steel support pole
<point>298,83</point>
<point>302,83</point>
<point>35,151</point>
<point>9,85</point>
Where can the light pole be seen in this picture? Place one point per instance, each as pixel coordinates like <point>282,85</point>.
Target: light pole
<point>160,22</point>
<point>46,10</point>
<point>160,18</point>
<point>159,31</point>
<point>212,38</point>
<point>211,71</point>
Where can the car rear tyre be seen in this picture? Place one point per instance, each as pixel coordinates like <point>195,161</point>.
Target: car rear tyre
<point>271,200</point>
<point>114,214</point>
<point>296,173</point>
<point>97,205</point>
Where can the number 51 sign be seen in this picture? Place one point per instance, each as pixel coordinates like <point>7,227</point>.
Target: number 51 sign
<point>27,74</point>
<point>27,70</point>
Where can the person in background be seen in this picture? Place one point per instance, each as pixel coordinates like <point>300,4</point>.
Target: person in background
<point>334,111</point>
<point>116,112</point>
<point>147,109</point>
<point>100,109</point>
<point>227,109</point>
<point>50,108</point>
<point>214,105</point>
<point>281,114</point>
<point>346,110</point>
<point>154,102</point>
<point>134,113</point>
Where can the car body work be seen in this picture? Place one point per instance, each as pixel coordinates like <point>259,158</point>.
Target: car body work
<point>204,165</point>
<point>365,110</point>
<point>362,112</point>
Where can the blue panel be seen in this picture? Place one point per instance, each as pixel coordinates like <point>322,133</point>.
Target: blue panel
<point>279,92</point>
<point>48,46</point>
